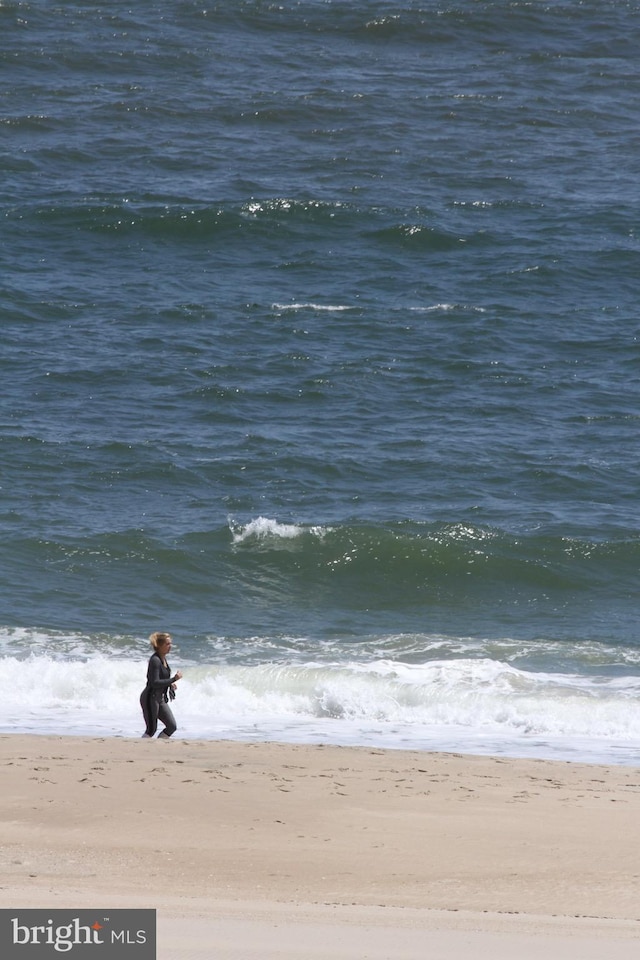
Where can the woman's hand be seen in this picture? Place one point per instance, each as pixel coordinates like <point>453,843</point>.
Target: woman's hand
<point>178,675</point>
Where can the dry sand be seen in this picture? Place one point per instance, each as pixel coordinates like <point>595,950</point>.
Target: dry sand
<point>270,851</point>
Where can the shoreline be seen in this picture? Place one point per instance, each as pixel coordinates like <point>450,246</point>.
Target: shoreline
<point>623,755</point>
<point>213,832</point>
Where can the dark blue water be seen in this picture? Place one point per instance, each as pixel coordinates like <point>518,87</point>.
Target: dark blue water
<point>320,346</point>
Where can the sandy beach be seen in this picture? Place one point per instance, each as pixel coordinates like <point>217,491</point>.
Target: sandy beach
<point>271,851</point>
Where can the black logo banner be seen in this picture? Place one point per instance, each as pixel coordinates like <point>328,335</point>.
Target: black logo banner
<point>101,934</point>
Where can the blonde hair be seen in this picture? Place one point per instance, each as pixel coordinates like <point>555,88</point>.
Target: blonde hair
<point>157,638</point>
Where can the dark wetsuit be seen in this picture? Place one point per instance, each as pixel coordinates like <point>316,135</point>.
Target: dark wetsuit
<point>154,699</point>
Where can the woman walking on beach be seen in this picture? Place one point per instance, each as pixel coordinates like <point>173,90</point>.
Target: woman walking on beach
<point>160,688</point>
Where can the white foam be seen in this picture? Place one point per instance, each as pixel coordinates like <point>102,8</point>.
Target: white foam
<point>446,307</point>
<point>263,528</point>
<point>481,705</point>
<point>329,307</point>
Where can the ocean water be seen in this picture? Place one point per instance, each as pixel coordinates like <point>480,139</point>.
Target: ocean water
<point>319,349</point>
